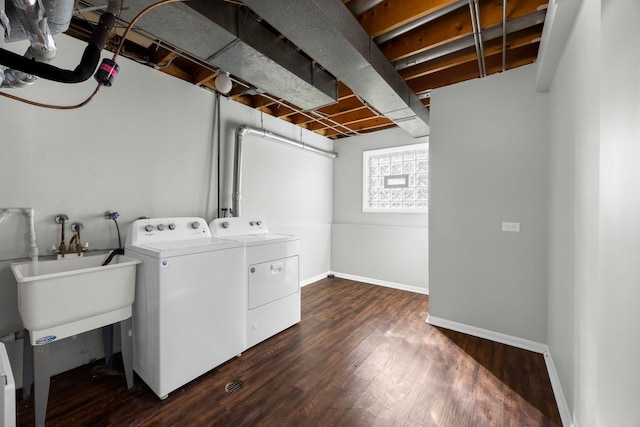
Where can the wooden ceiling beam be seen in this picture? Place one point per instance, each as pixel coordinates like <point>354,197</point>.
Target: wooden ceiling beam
<point>375,123</point>
<point>259,101</point>
<point>204,75</point>
<point>451,27</point>
<point>514,40</point>
<point>160,55</point>
<point>345,104</point>
<point>469,70</point>
<point>175,70</point>
<point>392,14</point>
<point>454,26</point>
<point>524,55</point>
<point>282,110</point>
<point>352,116</point>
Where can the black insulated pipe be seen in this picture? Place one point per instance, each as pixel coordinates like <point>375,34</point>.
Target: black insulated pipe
<point>81,73</point>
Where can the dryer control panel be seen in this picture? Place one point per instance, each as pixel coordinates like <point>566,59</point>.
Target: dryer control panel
<point>238,226</point>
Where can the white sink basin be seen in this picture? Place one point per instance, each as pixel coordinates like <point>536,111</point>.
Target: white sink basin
<point>60,298</point>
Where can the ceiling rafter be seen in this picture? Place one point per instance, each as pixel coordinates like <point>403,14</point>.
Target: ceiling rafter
<point>528,36</point>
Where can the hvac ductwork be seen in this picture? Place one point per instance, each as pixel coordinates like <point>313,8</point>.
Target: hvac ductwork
<point>243,131</point>
<point>328,32</point>
<point>37,21</point>
<point>26,19</point>
<point>231,37</point>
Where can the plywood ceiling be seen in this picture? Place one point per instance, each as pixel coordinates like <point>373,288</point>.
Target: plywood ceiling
<point>431,43</point>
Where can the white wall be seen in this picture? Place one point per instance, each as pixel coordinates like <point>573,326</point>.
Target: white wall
<point>488,165</point>
<point>594,175</point>
<point>385,248</point>
<point>573,215</point>
<point>618,288</point>
<point>143,147</point>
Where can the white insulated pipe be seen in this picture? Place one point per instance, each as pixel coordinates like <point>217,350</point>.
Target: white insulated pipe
<point>33,247</point>
<point>29,212</point>
<point>244,130</point>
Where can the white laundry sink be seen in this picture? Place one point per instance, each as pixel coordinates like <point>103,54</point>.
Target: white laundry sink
<point>61,298</point>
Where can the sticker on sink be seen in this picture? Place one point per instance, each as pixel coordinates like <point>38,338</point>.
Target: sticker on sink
<point>46,340</point>
<point>164,263</point>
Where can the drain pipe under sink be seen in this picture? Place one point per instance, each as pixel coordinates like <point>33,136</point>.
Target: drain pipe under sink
<point>244,130</point>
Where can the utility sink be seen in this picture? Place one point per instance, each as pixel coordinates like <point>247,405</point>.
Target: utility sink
<point>65,297</point>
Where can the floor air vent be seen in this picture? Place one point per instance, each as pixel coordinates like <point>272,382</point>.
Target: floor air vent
<point>233,386</point>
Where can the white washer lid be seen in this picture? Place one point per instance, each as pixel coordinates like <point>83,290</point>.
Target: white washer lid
<point>184,247</point>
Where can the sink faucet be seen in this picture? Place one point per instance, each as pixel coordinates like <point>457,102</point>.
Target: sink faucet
<point>75,245</point>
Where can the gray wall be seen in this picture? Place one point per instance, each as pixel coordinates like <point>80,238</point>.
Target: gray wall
<point>143,147</point>
<point>384,248</point>
<point>618,290</point>
<point>573,215</point>
<point>594,210</point>
<point>488,166</point>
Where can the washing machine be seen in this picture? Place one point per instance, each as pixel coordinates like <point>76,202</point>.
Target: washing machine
<point>271,273</point>
<point>188,313</point>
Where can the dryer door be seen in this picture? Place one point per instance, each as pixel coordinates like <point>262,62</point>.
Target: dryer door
<point>270,281</point>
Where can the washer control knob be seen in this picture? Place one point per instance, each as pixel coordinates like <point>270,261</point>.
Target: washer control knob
<point>160,227</point>
<point>172,226</point>
<point>258,223</point>
<point>195,225</point>
<point>252,223</point>
<point>225,224</point>
<point>148,228</point>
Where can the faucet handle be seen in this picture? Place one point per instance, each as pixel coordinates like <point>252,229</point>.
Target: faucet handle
<point>77,226</point>
<point>62,219</point>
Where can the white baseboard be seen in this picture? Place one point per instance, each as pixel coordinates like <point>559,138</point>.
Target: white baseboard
<point>314,279</point>
<point>400,286</point>
<point>537,347</point>
<point>489,335</point>
<point>563,408</point>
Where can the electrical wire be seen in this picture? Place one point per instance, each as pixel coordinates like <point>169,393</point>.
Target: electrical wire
<point>99,86</point>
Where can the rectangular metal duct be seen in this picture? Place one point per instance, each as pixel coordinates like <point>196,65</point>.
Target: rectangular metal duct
<point>231,38</point>
<point>330,34</point>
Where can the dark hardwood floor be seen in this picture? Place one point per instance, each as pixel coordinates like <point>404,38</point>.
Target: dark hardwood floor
<point>361,356</point>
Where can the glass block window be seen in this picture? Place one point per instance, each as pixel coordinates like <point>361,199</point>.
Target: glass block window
<point>396,179</point>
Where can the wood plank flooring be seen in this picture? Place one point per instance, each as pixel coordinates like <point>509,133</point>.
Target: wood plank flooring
<point>361,356</point>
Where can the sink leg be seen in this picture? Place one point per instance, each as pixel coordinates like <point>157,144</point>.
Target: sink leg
<point>41,388</point>
<point>126,339</point>
<point>107,342</point>
<point>27,366</point>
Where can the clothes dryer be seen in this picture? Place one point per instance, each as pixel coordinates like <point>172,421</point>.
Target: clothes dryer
<point>271,274</point>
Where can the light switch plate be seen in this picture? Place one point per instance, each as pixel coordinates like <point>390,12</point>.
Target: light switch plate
<point>511,226</point>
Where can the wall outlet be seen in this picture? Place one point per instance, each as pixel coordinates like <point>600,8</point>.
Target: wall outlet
<point>511,226</point>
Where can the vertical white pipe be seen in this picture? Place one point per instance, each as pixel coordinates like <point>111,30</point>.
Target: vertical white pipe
<point>29,212</point>
<point>33,248</point>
